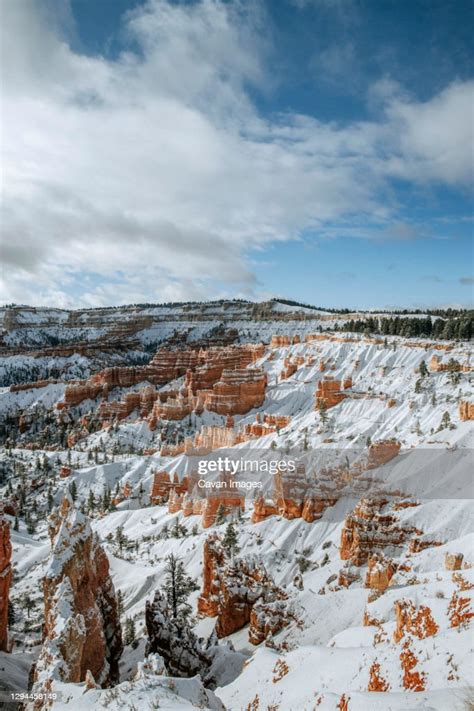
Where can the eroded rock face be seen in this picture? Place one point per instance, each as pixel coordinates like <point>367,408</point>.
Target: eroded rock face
<point>232,588</point>
<point>237,391</point>
<point>382,452</point>
<point>368,529</point>
<point>413,620</point>
<point>379,573</point>
<point>466,410</point>
<point>82,630</point>
<point>5,579</point>
<point>330,392</point>
<point>203,368</point>
<point>269,618</point>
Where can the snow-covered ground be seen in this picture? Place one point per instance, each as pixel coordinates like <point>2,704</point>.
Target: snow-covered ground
<point>326,658</point>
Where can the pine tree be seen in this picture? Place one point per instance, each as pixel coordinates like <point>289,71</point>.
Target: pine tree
<point>129,632</point>
<point>323,412</point>
<point>220,515</point>
<point>120,538</point>
<point>11,614</point>
<point>91,502</point>
<point>445,421</point>
<point>16,525</point>
<point>423,369</point>
<point>230,541</point>
<point>178,586</point>
<point>119,603</point>
<point>73,491</point>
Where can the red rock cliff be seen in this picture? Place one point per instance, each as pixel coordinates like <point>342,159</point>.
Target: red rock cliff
<point>5,579</point>
<point>82,631</point>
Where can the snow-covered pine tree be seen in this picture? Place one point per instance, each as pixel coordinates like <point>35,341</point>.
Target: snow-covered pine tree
<point>230,542</point>
<point>178,586</point>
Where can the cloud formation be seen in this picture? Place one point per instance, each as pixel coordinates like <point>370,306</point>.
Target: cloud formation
<point>153,176</point>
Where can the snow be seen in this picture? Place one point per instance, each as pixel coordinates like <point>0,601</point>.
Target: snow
<point>330,652</point>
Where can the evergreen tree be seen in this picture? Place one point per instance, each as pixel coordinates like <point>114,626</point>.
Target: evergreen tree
<point>120,538</point>
<point>73,491</point>
<point>323,412</point>
<point>230,541</point>
<point>220,515</point>
<point>178,586</point>
<point>11,614</point>
<point>423,369</point>
<point>91,502</point>
<point>119,603</point>
<point>16,525</point>
<point>445,421</point>
<point>129,636</point>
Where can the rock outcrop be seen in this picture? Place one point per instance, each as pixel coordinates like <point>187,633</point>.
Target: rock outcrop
<point>382,452</point>
<point>466,411</point>
<point>82,631</point>
<point>231,588</point>
<point>237,391</point>
<point>203,368</point>
<point>5,579</point>
<point>380,572</point>
<point>413,620</point>
<point>330,392</point>
<point>369,529</point>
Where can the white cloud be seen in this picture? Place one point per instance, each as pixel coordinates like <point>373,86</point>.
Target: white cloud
<point>151,176</point>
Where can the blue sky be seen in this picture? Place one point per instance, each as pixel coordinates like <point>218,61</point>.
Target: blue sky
<point>319,150</point>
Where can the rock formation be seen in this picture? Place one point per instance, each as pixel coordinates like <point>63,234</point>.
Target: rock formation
<point>330,392</point>
<point>380,572</point>
<point>5,579</point>
<point>202,368</point>
<point>237,391</point>
<point>382,452</point>
<point>369,529</point>
<point>269,618</point>
<point>466,410</point>
<point>232,587</point>
<point>453,561</point>
<point>82,630</point>
<point>413,620</point>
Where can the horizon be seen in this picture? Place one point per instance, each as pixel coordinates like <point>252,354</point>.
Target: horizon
<point>344,310</point>
<point>168,151</point>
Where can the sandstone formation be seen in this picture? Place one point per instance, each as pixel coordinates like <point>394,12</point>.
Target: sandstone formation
<point>278,341</point>
<point>82,631</point>
<point>466,410</point>
<point>369,529</point>
<point>330,392</point>
<point>382,452</point>
<point>212,437</point>
<point>6,575</point>
<point>380,572</point>
<point>297,495</point>
<point>376,680</point>
<point>202,368</point>
<point>269,618</point>
<point>413,620</point>
<point>453,561</point>
<point>231,588</point>
<point>437,365</point>
<point>163,484</point>
<point>237,392</point>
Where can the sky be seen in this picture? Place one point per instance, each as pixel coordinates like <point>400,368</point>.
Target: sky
<point>164,150</point>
